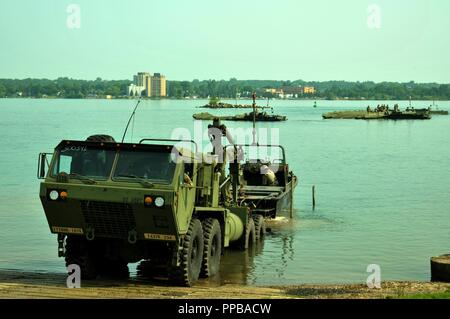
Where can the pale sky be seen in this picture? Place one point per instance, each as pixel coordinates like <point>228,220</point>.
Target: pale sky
<point>219,39</point>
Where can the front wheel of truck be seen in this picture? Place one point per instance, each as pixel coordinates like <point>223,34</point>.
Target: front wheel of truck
<point>188,272</point>
<point>78,253</point>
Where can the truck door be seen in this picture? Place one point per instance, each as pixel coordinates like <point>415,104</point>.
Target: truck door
<point>185,196</point>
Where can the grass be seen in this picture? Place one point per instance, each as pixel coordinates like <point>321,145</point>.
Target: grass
<point>436,295</point>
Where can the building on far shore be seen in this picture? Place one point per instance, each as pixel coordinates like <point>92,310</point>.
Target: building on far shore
<point>274,91</point>
<point>309,90</point>
<point>158,85</point>
<point>289,92</point>
<point>147,85</point>
<point>135,90</point>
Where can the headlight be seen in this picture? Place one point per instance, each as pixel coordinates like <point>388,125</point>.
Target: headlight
<point>159,202</point>
<point>53,195</point>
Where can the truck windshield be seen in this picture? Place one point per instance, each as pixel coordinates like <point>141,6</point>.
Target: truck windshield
<point>84,161</point>
<point>151,165</point>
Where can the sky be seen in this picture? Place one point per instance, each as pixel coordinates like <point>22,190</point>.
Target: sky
<point>353,40</point>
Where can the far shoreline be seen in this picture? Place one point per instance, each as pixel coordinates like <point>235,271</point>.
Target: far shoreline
<point>205,99</point>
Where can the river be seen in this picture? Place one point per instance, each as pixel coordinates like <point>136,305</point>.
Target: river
<point>382,187</point>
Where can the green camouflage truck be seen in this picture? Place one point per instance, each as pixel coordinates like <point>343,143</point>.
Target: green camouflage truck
<point>112,203</point>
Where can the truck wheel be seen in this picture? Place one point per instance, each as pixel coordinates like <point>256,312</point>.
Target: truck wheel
<point>191,256</point>
<point>77,252</point>
<point>260,227</point>
<point>212,251</point>
<point>100,138</point>
<point>248,239</point>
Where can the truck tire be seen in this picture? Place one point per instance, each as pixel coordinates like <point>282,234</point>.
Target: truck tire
<point>212,251</point>
<point>260,227</point>
<point>77,252</point>
<point>100,138</point>
<point>191,256</point>
<point>248,239</point>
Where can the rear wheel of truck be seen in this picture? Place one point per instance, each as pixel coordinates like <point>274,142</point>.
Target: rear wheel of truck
<point>248,238</point>
<point>100,138</point>
<point>191,256</point>
<point>260,227</point>
<point>212,251</point>
<point>78,253</point>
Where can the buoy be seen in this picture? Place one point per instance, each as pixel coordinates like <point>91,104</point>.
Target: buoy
<point>440,268</point>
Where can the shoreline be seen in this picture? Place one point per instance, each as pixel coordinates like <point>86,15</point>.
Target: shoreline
<point>205,99</point>
<point>21,284</point>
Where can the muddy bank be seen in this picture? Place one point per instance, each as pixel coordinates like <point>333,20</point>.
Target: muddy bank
<point>15,284</point>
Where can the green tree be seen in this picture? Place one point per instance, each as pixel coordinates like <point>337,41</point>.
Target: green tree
<point>214,101</point>
<point>2,91</point>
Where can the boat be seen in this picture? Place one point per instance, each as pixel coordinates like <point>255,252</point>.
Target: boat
<point>436,111</point>
<point>222,105</point>
<point>259,117</point>
<point>419,114</point>
<point>396,114</point>
<point>269,192</point>
<point>250,117</point>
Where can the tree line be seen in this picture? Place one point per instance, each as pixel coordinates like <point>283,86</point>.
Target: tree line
<point>62,87</point>
<point>72,88</point>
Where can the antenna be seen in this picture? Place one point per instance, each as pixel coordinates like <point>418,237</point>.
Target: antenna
<point>129,120</point>
<point>254,118</point>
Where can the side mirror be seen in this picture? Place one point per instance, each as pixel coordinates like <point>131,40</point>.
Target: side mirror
<point>42,166</point>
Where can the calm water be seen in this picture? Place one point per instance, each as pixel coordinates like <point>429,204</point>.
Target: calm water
<point>383,187</point>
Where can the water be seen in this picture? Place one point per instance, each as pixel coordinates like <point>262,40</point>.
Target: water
<point>383,187</point>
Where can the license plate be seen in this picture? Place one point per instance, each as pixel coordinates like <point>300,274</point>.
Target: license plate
<point>159,236</point>
<point>67,230</point>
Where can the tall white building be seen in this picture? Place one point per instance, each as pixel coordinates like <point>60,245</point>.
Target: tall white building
<point>135,90</point>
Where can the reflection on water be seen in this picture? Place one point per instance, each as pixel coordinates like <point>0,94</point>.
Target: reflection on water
<point>282,232</point>
<point>237,267</point>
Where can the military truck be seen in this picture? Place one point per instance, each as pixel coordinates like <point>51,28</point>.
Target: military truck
<point>113,203</point>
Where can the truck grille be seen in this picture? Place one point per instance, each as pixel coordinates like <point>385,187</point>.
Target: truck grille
<point>108,219</point>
